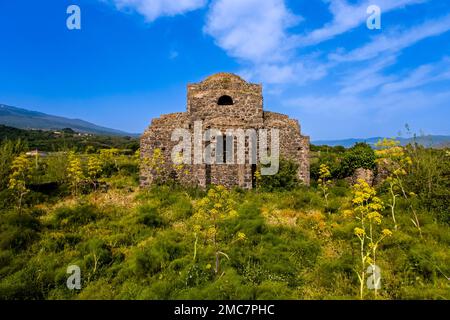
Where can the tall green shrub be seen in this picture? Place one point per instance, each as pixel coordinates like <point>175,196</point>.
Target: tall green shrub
<point>361,155</point>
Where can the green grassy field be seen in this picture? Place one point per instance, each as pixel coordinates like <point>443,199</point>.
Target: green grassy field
<point>163,243</point>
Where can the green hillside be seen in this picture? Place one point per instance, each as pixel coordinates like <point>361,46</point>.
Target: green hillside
<point>26,119</point>
<point>66,139</point>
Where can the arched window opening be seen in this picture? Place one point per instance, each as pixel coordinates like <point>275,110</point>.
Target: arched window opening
<point>225,101</point>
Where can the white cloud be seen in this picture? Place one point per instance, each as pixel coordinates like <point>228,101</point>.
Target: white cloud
<point>369,88</point>
<point>347,17</point>
<point>372,99</point>
<point>257,33</point>
<point>374,108</point>
<point>368,77</point>
<point>153,9</point>
<point>252,30</point>
<point>395,42</point>
<point>421,76</point>
<point>300,72</point>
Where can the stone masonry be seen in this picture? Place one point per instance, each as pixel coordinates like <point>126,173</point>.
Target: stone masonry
<point>222,101</point>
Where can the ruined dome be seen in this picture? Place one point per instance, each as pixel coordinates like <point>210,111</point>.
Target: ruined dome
<point>224,77</point>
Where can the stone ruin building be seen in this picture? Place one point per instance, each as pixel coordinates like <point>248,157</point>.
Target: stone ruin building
<point>222,101</point>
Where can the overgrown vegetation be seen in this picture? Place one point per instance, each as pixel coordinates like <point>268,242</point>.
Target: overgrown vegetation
<point>280,241</point>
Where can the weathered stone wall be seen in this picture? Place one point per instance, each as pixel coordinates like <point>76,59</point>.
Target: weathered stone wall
<point>247,98</point>
<point>293,145</point>
<point>246,112</point>
<point>158,135</point>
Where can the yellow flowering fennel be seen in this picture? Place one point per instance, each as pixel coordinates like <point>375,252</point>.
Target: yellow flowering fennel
<point>75,172</point>
<point>324,182</point>
<point>393,158</point>
<point>94,168</point>
<point>20,175</point>
<point>213,209</point>
<point>366,210</point>
<point>109,156</point>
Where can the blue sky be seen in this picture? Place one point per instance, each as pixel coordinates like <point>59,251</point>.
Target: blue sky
<point>317,60</point>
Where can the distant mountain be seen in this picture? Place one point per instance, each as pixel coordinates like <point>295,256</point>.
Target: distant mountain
<point>26,119</point>
<point>427,141</point>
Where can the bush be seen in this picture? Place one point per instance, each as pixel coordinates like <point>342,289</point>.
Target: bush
<point>285,179</point>
<point>6,258</point>
<point>58,241</point>
<point>249,222</point>
<point>301,199</point>
<point>55,171</point>
<point>229,286</point>
<point>150,216</point>
<point>334,206</point>
<point>96,255</point>
<point>429,179</point>
<point>22,285</point>
<point>182,209</point>
<point>80,215</point>
<point>8,151</point>
<point>361,155</point>
<point>17,238</point>
<point>158,254</point>
<point>148,262</point>
<point>270,290</point>
<point>340,191</point>
<point>34,280</point>
<point>327,156</point>
<point>18,231</point>
<point>23,221</point>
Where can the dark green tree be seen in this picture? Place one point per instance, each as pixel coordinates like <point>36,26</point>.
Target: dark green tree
<point>361,155</point>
